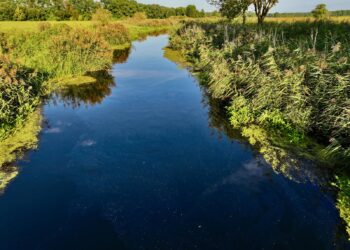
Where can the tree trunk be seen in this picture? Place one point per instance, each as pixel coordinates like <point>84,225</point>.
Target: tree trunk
<point>244,17</point>
<point>261,20</point>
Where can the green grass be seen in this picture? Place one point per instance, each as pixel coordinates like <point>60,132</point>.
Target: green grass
<point>32,26</point>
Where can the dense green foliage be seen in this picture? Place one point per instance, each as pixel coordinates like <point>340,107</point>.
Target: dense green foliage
<point>293,78</point>
<point>232,8</point>
<point>61,50</point>
<point>20,91</point>
<point>21,10</point>
<point>343,200</point>
<point>320,12</point>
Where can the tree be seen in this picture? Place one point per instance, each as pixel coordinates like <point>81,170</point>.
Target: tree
<point>232,8</point>
<point>191,11</point>
<point>262,8</point>
<point>85,8</point>
<point>102,16</point>
<point>20,14</point>
<point>121,8</point>
<point>320,13</point>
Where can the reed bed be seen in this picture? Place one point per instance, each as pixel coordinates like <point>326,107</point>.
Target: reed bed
<point>282,84</point>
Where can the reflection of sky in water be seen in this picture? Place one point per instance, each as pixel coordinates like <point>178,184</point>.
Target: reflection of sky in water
<point>124,73</point>
<point>52,130</point>
<point>142,169</point>
<point>88,143</point>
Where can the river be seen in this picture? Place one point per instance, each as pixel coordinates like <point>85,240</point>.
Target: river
<point>140,161</point>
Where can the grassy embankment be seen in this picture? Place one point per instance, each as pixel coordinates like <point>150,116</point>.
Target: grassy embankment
<point>39,57</point>
<point>286,87</point>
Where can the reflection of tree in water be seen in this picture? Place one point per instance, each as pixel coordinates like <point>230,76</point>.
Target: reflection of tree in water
<point>271,146</point>
<point>143,36</point>
<point>283,160</point>
<point>121,55</point>
<point>24,138</point>
<point>7,173</point>
<point>90,93</point>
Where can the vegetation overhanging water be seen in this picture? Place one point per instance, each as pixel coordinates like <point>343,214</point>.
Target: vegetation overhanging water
<point>280,135</point>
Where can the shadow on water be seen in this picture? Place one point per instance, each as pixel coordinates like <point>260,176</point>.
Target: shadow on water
<point>86,94</point>
<point>121,55</point>
<point>93,93</point>
<point>14,147</point>
<point>282,160</point>
<point>25,138</point>
<point>267,153</point>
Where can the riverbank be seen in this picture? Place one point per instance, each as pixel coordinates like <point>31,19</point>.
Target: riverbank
<point>149,148</point>
<point>37,58</point>
<point>286,87</point>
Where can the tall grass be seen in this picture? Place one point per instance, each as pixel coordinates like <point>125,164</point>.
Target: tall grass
<point>61,50</point>
<point>20,92</point>
<point>293,78</point>
<point>283,83</point>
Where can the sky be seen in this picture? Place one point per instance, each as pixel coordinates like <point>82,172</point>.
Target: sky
<point>282,6</point>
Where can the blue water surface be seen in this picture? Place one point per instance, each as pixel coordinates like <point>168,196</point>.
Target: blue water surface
<point>136,164</point>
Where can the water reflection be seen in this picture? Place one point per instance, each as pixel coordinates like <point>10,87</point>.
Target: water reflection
<point>87,94</point>
<point>24,138</point>
<point>281,159</point>
<point>121,55</point>
<point>7,174</point>
<point>144,36</point>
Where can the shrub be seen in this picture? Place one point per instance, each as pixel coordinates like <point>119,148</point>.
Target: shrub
<point>61,51</point>
<point>20,90</point>
<point>293,78</point>
<point>113,33</point>
<point>102,16</point>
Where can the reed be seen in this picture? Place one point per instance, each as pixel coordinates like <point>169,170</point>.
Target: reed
<point>290,77</point>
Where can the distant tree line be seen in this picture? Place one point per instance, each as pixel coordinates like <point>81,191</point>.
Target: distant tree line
<point>21,10</point>
<point>309,14</point>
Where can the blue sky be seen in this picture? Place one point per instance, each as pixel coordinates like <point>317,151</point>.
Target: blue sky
<point>283,6</point>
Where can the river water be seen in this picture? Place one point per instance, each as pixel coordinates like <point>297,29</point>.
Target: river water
<point>141,161</point>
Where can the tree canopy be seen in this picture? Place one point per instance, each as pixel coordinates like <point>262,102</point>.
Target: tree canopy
<point>233,8</point>
<point>320,12</point>
<point>83,9</point>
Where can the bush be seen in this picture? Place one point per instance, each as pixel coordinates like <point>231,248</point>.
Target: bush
<point>113,33</point>
<point>139,16</point>
<point>61,51</point>
<point>20,91</point>
<point>102,16</point>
